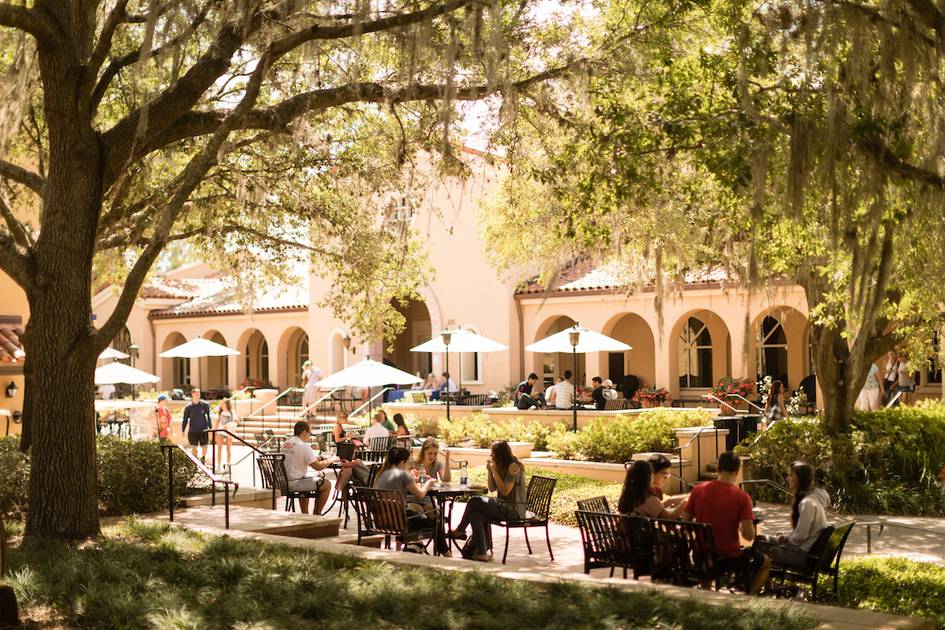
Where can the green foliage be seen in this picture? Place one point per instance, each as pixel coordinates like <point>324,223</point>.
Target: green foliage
<point>479,431</point>
<point>141,575</point>
<point>894,585</point>
<point>888,462</point>
<point>132,476</point>
<point>616,439</point>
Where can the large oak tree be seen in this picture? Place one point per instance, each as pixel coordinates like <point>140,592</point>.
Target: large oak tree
<point>139,123</point>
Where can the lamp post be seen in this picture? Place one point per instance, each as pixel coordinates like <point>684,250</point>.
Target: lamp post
<point>574,337</point>
<point>447,336</point>
<point>133,351</point>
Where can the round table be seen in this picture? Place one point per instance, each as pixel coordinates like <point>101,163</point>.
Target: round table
<point>442,493</point>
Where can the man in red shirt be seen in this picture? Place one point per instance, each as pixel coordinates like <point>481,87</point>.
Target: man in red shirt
<point>726,507</point>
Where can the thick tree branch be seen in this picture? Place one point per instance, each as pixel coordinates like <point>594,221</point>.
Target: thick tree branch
<point>931,15</point>
<point>278,117</point>
<point>31,21</point>
<point>885,156</point>
<point>21,235</point>
<point>104,44</point>
<point>20,175</point>
<point>15,263</point>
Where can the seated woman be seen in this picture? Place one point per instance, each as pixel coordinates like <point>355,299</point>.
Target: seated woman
<point>506,477</point>
<point>339,433</point>
<point>400,430</point>
<point>637,497</point>
<point>395,475</point>
<point>429,460</point>
<point>808,518</point>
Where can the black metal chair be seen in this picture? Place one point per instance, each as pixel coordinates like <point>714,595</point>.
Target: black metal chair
<point>345,450</point>
<point>372,456</point>
<point>594,504</point>
<point>383,443</point>
<point>272,471</point>
<point>613,540</point>
<point>385,512</point>
<point>343,492</point>
<point>824,557</point>
<point>537,509</point>
<point>684,553</point>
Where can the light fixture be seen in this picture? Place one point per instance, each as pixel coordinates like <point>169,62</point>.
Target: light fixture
<point>134,349</point>
<point>347,341</point>
<point>11,390</point>
<point>574,337</point>
<point>447,336</point>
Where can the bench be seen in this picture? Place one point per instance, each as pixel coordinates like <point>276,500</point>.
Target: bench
<point>824,557</point>
<point>616,541</point>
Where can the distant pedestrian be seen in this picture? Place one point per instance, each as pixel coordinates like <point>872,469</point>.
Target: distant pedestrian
<point>871,396</point>
<point>163,415</point>
<point>196,423</point>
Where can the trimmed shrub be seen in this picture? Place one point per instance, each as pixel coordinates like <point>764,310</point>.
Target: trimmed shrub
<point>894,585</point>
<point>132,476</point>
<point>887,463</point>
<point>616,439</point>
<point>479,431</point>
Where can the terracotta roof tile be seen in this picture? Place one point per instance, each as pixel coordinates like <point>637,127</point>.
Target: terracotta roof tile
<point>217,296</point>
<point>584,276</point>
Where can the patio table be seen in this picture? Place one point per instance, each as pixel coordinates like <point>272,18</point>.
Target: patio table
<point>442,493</point>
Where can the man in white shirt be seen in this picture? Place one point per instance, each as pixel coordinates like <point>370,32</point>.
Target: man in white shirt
<point>564,392</point>
<point>376,430</point>
<point>299,459</point>
<point>448,384</point>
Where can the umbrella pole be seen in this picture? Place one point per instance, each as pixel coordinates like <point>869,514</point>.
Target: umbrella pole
<point>460,373</point>
<point>447,382</point>
<point>574,393</point>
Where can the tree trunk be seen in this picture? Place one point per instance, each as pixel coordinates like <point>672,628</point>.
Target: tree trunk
<point>60,348</point>
<point>840,375</point>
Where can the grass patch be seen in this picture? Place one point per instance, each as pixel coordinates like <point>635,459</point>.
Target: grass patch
<point>139,575</point>
<point>896,586</point>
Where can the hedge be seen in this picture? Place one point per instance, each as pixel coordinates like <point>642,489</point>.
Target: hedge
<point>887,463</point>
<point>894,585</point>
<point>132,476</point>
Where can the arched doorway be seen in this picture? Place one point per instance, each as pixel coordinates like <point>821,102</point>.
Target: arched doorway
<point>549,366</point>
<point>700,353</point>
<point>640,362</point>
<point>254,367</point>
<point>780,346</point>
<point>175,372</point>
<point>418,328</point>
<point>293,351</point>
<point>214,370</point>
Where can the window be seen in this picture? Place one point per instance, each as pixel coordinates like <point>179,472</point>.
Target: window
<point>695,354</point>
<point>264,361</point>
<point>933,374</point>
<point>303,349</point>
<point>181,371</point>
<point>772,350</point>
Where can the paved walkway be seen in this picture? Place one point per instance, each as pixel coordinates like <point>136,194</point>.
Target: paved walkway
<point>918,538</point>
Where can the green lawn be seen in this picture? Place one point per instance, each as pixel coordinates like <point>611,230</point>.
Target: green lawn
<point>139,575</point>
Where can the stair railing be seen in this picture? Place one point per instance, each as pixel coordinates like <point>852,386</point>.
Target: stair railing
<point>213,456</point>
<point>214,480</point>
<point>304,413</point>
<point>750,404</point>
<point>721,402</point>
<point>370,401</point>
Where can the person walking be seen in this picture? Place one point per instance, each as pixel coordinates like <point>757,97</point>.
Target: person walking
<point>196,423</point>
<point>872,395</point>
<point>774,405</point>
<point>163,418</point>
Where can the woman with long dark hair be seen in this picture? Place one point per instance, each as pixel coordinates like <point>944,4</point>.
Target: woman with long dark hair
<point>637,497</point>
<point>395,475</point>
<point>808,519</point>
<point>505,477</point>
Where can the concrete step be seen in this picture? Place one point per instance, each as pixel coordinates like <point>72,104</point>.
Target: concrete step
<point>259,520</point>
<point>244,496</point>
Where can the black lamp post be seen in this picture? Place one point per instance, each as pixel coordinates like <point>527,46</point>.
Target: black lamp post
<point>574,337</point>
<point>447,336</point>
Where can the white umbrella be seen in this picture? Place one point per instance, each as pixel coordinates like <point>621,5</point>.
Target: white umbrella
<point>121,373</point>
<point>460,341</point>
<point>368,373</point>
<point>111,353</point>
<point>197,348</point>
<point>588,341</point>
<point>577,339</point>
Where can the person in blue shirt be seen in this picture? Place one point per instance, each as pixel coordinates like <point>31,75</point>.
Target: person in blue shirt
<point>197,416</point>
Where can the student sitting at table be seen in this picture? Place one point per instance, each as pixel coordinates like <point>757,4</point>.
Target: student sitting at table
<point>808,519</point>
<point>597,395</point>
<point>661,474</point>
<point>419,383</point>
<point>400,427</point>
<point>637,498</point>
<point>395,475</point>
<point>551,390</point>
<point>506,477</point>
<point>429,460</point>
<point>377,428</point>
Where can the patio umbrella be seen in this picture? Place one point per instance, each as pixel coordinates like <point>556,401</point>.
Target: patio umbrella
<point>577,339</point>
<point>368,373</point>
<point>460,341</point>
<point>121,373</point>
<point>111,353</point>
<point>199,347</point>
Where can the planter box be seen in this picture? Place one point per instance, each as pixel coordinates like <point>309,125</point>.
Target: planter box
<point>611,472</point>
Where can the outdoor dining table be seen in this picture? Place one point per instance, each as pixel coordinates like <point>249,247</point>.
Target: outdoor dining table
<point>444,492</point>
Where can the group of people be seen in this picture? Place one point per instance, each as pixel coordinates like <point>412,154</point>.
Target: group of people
<point>434,383</point>
<point>196,421</point>
<point>728,508</point>
<point>560,395</point>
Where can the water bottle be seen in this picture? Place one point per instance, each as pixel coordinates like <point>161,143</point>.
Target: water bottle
<point>463,474</point>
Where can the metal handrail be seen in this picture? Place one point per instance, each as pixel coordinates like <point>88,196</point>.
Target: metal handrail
<point>252,414</point>
<point>258,449</point>
<point>719,400</point>
<point>302,414</point>
<point>214,480</point>
<point>750,404</point>
<point>893,400</point>
<point>679,449</point>
<point>213,456</point>
<point>370,401</point>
